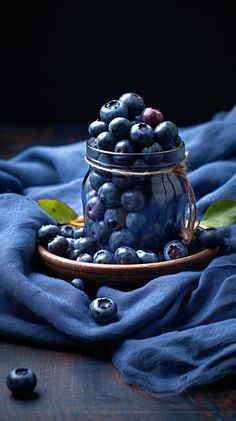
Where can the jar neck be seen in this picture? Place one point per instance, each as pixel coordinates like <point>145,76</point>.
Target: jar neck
<point>134,162</point>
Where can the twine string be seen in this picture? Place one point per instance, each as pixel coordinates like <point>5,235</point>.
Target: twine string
<point>189,225</point>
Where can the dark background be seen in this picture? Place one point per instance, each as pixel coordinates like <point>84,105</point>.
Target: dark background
<point>61,62</point>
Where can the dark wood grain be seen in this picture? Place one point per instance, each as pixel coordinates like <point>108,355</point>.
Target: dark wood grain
<point>79,386</point>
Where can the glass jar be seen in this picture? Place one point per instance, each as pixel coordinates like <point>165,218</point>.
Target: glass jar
<point>134,199</point>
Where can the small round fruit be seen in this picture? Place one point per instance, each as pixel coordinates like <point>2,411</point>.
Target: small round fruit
<point>67,230</point>
<point>104,257</point>
<point>109,195</point>
<point>95,209</point>
<point>166,134</point>
<point>100,231</point>
<point>142,134</point>
<point>97,127</point>
<point>147,256</point>
<point>119,238</point>
<point>124,146</point>
<point>151,154</point>
<point>85,245</point>
<point>175,249</point>
<point>58,245</point>
<point>135,222</point>
<point>113,109</point>
<point>21,381</point>
<point>134,102</point>
<point>119,127</point>
<point>47,232</point>
<point>151,116</point>
<point>115,218</point>
<point>133,200</point>
<point>105,141</point>
<point>209,238</point>
<point>103,310</point>
<point>97,179</point>
<point>78,283</point>
<point>84,258</point>
<point>126,256</point>
<point>78,233</point>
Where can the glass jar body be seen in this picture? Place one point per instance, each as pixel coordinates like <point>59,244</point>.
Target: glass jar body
<point>143,208</point>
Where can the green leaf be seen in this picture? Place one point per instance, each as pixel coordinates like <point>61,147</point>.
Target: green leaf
<point>60,211</point>
<point>220,214</point>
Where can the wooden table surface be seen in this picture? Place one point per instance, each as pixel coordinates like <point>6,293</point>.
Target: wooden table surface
<point>86,386</point>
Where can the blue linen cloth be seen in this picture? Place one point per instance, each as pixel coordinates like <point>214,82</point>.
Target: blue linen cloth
<point>175,332</point>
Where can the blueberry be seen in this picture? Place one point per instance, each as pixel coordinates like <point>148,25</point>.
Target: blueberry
<point>97,127</point>
<point>134,102</point>
<point>58,245</point>
<point>123,183</point>
<point>140,164</point>
<point>133,200</point>
<point>113,109</point>
<point>103,310</point>
<point>109,195</point>
<point>151,116</point>
<point>104,257</point>
<point>120,127</point>
<point>47,232</point>
<point>124,146</point>
<point>166,134</point>
<point>151,153</point>
<point>135,222</point>
<point>142,134</point>
<point>126,256</point>
<point>78,283</point>
<point>105,159</point>
<point>175,249</point>
<point>105,141</point>
<point>79,232</point>
<point>209,238</point>
<point>119,238</point>
<point>67,230</point>
<point>97,178</point>
<point>100,231</point>
<point>115,218</point>
<point>93,142</point>
<point>225,247</point>
<point>72,253</point>
<point>86,245</point>
<point>90,193</point>
<point>95,209</point>
<point>147,256</point>
<point>85,258</point>
<point>21,381</point>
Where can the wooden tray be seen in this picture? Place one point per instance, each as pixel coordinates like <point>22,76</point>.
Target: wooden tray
<point>124,277</point>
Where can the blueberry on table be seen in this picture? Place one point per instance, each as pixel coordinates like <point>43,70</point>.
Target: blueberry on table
<point>103,310</point>
<point>166,134</point>
<point>97,127</point>
<point>67,230</point>
<point>84,258</point>
<point>104,257</point>
<point>113,109</point>
<point>175,249</point>
<point>47,232</point>
<point>115,218</point>
<point>124,146</point>
<point>119,127</point>
<point>105,141</point>
<point>147,256</point>
<point>151,116</point>
<point>86,245</point>
<point>78,232</point>
<point>119,238</point>
<point>209,238</point>
<point>133,200</point>
<point>95,209</point>
<point>78,283</point>
<point>126,256</point>
<point>109,195</point>
<point>142,134</point>
<point>134,102</point>
<point>58,245</point>
<point>21,381</point>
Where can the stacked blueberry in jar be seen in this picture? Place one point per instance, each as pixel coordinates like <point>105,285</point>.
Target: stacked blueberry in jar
<point>133,211</point>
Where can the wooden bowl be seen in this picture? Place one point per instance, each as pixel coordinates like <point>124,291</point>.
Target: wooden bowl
<point>123,277</point>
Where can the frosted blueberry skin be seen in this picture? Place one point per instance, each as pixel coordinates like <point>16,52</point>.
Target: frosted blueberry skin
<point>166,134</point>
<point>175,249</point>
<point>109,195</point>
<point>78,284</point>
<point>105,141</point>
<point>142,134</point>
<point>126,255</point>
<point>48,232</point>
<point>86,245</point>
<point>97,127</point>
<point>119,127</point>
<point>103,310</point>
<point>146,256</point>
<point>21,381</point>
<point>134,103</point>
<point>104,256</point>
<point>58,245</point>
<point>113,109</point>
<point>120,238</point>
